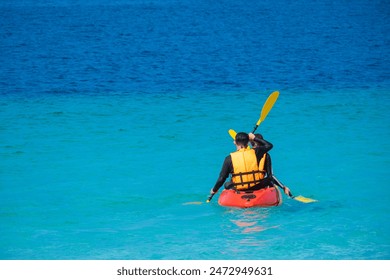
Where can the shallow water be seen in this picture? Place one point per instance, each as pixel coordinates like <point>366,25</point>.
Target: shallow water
<point>111,123</point>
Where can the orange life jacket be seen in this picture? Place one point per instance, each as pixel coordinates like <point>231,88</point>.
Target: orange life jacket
<point>246,171</point>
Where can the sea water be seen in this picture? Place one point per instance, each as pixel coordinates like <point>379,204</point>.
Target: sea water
<point>114,120</point>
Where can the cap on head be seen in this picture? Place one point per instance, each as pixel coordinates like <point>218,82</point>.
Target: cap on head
<point>242,138</point>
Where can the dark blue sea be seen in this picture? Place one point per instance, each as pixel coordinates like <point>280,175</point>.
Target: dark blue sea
<point>114,116</point>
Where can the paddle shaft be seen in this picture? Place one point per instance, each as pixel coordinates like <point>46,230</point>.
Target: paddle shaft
<point>210,197</point>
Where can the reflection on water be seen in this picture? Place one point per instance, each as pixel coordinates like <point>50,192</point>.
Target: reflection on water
<point>251,221</point>
<point>247,229</point>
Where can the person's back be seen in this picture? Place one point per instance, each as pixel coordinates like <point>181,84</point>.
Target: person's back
<point>265,166</point>
<point>246,172</point>
<point>243,164</point>
<point>269,179</point>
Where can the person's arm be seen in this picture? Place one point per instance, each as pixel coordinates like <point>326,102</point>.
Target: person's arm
<point>223,175</point>
<point>268,165</point>
<point>263,145</point>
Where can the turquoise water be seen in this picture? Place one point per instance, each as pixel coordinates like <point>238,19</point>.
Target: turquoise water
<point>108,178</point>
<point>111,123</point>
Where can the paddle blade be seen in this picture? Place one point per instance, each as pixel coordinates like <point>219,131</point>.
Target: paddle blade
<point>232,133</point>
<point>304,199</point>
<point>192,203</point>
<point>269,103</point>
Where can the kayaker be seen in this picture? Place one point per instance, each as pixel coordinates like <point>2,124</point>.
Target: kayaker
<point>243,164</point>
<point>270,179</point>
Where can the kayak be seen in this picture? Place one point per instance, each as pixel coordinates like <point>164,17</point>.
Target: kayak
<point>266,197</point>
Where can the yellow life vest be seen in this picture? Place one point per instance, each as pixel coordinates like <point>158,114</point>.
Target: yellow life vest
<point>246,171</point>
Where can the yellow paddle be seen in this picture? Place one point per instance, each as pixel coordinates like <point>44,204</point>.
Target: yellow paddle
<point>192,203</point>
<point>299,198</point>
<point>269,103</point>
<point>232,133</point>
<point>304,199</point>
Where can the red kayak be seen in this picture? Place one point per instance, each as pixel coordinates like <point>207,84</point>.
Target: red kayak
<point>266,197</point>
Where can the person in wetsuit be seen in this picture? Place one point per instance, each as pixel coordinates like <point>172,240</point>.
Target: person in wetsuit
<point>243,164</point>
<point>269,179</point>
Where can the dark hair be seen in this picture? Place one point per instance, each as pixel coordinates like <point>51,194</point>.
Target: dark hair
<point>242,138</point>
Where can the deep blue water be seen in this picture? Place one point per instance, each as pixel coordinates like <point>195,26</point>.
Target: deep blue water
<point>115,114</point>
<point>164,46</point>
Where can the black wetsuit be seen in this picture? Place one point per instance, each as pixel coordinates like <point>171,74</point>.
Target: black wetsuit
<point>227,168</point>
